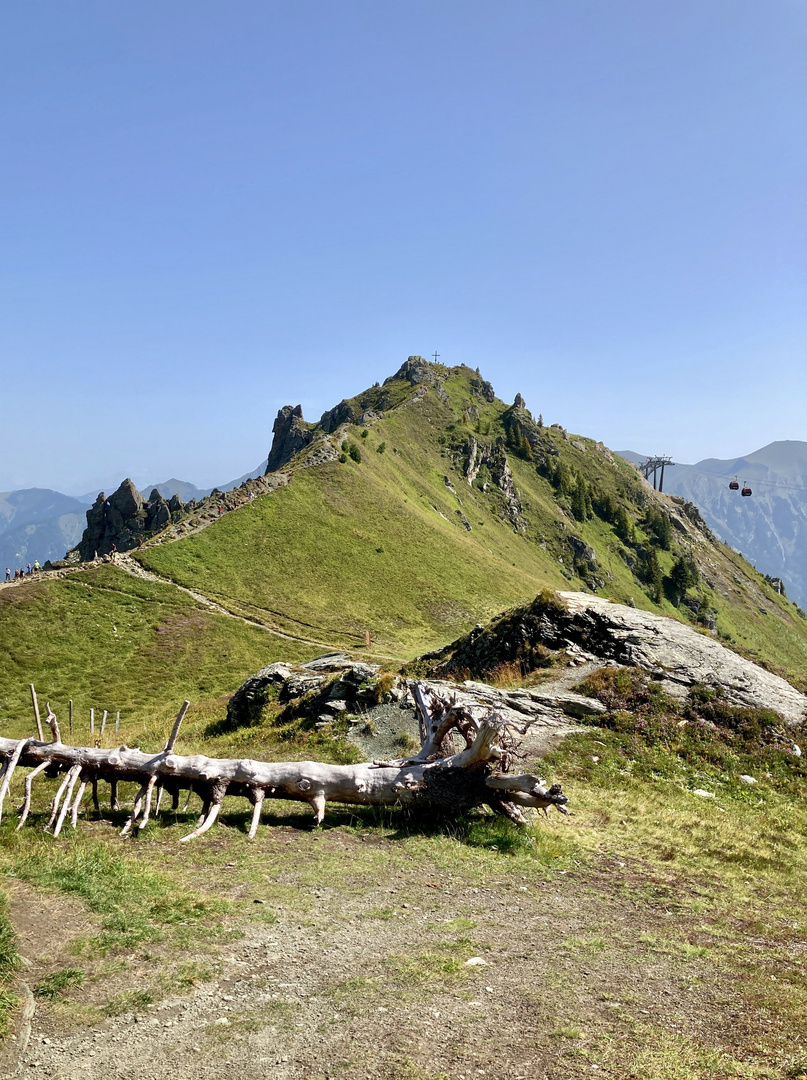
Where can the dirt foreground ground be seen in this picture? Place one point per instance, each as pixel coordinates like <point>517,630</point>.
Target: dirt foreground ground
<point>347,953</point>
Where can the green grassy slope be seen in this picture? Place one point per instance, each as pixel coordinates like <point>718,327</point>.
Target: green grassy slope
<point>349,547</point>
<point>110,641</point>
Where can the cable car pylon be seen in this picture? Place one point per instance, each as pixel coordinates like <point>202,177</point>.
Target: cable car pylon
<point>653,464</point>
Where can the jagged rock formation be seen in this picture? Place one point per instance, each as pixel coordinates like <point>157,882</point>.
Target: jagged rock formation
<point>669,651</point>
<point>124,520</point>
<point>291,434</point>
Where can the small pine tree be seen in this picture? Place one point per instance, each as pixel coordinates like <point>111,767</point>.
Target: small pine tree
<point>682,577</point>
<point>605,507</point>
<point>381,448</point>
<point>653,577</point>
<point>622,524</point>
<point>354,453</point>
<point>578,503</point>
<point>565,479</point>
<point>540,419</point>
<point>365,433</point>
<point>526,449</point>
<point>658,526</point>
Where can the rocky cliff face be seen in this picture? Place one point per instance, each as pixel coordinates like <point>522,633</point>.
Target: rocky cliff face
<point>122,521</point>
<point>597,629</point>
<point>291,434</point>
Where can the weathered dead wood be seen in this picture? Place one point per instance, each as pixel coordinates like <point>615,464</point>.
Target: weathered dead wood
<point>442,778</point>
<point>35,703</point>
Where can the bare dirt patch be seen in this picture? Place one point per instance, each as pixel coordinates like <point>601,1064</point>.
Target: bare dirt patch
<point>355,965</point>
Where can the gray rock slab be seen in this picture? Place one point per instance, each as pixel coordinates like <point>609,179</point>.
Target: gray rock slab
<point>677,654</point>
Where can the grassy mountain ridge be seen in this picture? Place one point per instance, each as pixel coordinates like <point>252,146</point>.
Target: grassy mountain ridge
<point>401,544</point>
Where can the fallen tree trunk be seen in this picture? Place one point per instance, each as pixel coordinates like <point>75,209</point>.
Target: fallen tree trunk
<point>463,763</point>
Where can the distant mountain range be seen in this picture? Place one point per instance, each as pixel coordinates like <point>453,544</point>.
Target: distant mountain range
<point>40,524</point>
<point>37,523</point>
<point>770,527</point>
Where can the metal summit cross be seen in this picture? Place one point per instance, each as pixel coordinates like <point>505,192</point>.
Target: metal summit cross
<point>435,354</point>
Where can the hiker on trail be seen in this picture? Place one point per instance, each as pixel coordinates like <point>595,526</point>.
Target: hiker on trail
<point>29,569</point>
<point>36,565</point>
<point>16,575</point>
<point>8,574</point>
<point>221,510</point>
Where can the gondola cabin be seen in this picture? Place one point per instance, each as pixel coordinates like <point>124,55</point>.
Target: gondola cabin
<point>734,486</point>
<point>746,492</point>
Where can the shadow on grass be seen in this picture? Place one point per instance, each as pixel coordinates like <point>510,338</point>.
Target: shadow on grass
<point>395,824</point>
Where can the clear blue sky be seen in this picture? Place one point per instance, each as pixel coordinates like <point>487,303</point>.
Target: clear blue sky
<point>211,209</point>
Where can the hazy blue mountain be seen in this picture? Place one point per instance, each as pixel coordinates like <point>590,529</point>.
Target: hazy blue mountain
<point>37,523</point>
<point>183,488</point>
<point>259,471</point>
<point>770,527</point>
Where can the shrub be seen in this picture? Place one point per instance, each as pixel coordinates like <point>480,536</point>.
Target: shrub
<point>354,453</point>
<point>365,433</point>
<point>381,448</point>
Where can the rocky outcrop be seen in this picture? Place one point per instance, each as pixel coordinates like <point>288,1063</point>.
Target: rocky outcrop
<point>290,434</point>
<point>320,452</point>
<point>345,696</point>
<point>336,677</point>
<point>503,478</point>
<point>124,520</point>
<point>494,457</point>
<point>484,389</point>
<point>343,413</point>
<point>582,553</point>
<point>672,653</point>
<point>158,511</point>
<point>418,371</point>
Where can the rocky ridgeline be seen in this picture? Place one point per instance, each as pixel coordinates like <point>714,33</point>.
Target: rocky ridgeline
<point>292,434</point>
<point>593,628</point>
<point>126,520</point>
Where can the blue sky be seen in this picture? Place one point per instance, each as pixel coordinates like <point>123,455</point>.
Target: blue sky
<point>209,210</point>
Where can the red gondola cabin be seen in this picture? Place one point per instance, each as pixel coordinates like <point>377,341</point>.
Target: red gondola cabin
<point>746,492</point>
<point>734,486</point>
